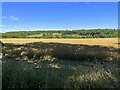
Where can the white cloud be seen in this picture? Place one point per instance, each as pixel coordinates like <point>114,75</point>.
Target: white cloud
<point>13,18</point>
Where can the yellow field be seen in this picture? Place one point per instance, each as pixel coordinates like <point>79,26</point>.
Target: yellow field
<point>111,42</point>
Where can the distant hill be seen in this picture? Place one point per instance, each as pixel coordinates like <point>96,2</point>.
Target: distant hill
<point>93,33</point>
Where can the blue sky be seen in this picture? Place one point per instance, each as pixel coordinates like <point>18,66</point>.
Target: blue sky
<point>19,16</point>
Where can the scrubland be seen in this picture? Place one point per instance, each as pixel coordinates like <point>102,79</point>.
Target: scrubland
<point>60,63</point>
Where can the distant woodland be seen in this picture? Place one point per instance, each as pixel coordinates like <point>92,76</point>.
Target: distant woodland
<point>95,33</point>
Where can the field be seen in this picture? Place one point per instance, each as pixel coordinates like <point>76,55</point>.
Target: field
<point>60,63</point>
<point>109,42</point>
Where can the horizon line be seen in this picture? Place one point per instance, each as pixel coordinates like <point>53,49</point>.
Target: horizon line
<point>55,29</point>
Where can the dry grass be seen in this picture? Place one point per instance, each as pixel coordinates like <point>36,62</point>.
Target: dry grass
<point>37,63</point>
<point>111,42</point>
<point>60,74</point>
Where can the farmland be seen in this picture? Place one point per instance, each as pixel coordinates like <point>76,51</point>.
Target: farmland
<point>66,45</point>
<point>60,63</point>
<point>108,42</point>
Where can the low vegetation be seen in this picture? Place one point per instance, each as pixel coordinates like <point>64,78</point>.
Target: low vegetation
<point>60,65</point>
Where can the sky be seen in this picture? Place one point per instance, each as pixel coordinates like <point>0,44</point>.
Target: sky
<point>21,16</point>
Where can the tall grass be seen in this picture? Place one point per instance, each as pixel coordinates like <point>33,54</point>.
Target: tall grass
<point>55,65</point>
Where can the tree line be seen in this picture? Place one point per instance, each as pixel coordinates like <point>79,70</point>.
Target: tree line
<point>93,33</point>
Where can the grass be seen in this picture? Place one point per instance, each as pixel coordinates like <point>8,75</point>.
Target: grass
<point>60,74</point>
<point>60,65</point>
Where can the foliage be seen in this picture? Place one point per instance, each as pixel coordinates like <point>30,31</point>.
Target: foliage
<point>95,33</point>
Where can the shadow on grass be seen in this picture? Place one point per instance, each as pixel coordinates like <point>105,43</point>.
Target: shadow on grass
<point>56,65</point>
<point>78,52</point>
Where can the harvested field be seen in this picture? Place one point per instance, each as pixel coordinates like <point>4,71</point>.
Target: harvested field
<point>109,42</point>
